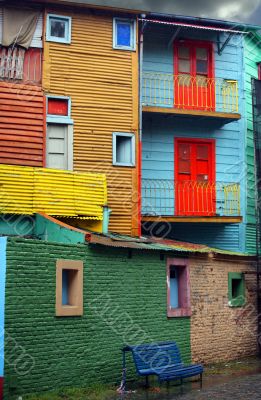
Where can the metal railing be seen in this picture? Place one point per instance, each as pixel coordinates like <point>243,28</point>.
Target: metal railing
<point>190,198</point>
<point>190,92</point>
<point>17,64</point>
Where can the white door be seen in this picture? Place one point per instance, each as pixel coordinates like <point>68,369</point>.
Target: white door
<point>58,147</point>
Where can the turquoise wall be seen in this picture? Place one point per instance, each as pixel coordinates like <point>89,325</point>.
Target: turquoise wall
<point>252,55</point>
<point>159,132</point>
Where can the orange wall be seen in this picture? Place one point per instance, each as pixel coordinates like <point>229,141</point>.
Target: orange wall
<point>21,124</point>
<point>103,86</point>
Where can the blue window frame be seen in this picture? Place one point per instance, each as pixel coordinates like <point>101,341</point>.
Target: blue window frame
<point>58,28</point>
<point>123,146</point>
<point>124,34</point>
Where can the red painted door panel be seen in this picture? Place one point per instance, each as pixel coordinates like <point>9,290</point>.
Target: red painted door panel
<point>195,192</point>
<point>194,86</point>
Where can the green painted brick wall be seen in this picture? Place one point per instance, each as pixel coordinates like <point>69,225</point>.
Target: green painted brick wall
<point>124,302</point>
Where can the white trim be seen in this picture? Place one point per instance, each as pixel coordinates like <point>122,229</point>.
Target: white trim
<point>53,119</point>
<point>114,153</point>
<point>132,23</point>
<point>68,29</point>
<point>70,147</point>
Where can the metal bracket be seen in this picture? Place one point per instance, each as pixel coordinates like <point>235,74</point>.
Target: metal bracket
<point>222,47</point>
<point>173,37</point>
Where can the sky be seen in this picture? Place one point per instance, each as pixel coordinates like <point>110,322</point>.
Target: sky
<point>233,10</point>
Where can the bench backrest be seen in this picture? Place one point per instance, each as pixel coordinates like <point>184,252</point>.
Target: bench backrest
<point>156,356</point>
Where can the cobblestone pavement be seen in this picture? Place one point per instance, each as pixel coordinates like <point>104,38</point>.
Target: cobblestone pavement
<point>244,388</point>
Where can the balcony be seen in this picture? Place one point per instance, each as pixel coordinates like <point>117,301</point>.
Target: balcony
<point>28,190</point>
<point>188,201</point>
<point>186,95</point>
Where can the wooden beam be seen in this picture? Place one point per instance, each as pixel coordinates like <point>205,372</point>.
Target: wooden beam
<point>187,112</point>
<point>223,220</point>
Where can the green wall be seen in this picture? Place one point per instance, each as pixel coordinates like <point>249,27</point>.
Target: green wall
<point>124,302</point>
<point>252,56</point>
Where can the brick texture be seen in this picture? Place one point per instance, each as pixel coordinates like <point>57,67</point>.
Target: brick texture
<point>124,302</point>
<point>220,332</point>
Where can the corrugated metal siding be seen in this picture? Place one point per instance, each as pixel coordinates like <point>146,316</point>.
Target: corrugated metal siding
<point>251,239</point>
<point>27,190</point>
<point>21,124</point>
<point>37,38</point>
<point>222,236</point>
<point>102,83</point>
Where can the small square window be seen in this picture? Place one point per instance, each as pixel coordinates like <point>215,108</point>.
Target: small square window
<point>69,288</point>
<point>123,149</point>
<point>236,289</point>
<point>178,289</point>
<point>124,34</point>
<point>59,106</point>
<point>58,29</point>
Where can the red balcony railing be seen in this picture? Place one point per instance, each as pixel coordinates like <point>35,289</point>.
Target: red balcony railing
<point>190,198</point>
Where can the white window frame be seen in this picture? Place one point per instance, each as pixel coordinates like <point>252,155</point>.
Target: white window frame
<point>114,150</point>
<point>132,23</point>
<point>68,30</point>
<point>63,120</point>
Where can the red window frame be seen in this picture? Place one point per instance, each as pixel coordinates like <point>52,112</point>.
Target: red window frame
<point>182,264</point>
<point>193,45</point>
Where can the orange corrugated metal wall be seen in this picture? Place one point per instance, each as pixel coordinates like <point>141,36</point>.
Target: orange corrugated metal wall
<point>21,124</point>
<point>103,85</point>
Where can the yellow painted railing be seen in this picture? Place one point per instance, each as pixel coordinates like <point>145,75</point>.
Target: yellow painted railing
<point>187,92</point>
<point>166,197</point>
<point>27,190</point>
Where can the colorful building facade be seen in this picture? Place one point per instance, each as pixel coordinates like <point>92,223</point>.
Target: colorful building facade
<point>83,150</point>
<point>195,136</point>
<point>124,297</point>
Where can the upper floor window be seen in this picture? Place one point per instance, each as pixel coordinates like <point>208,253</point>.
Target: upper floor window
<point>58,28</point>
<point>124,149</point>
<point>124,34</point>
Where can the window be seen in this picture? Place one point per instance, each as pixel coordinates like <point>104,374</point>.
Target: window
<point>124,34</point>
<point>123,149</point>
<point>59,136</point>
<point>58,28</point>
<point>178,289</point>
<point>69,288</point>
<point>236,289</point>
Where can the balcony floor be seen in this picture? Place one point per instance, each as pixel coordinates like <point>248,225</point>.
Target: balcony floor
<point>226,117</point>
<point>195,219</point>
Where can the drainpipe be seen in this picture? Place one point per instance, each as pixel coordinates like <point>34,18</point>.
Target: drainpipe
<point>106,220</point>
<point>141,38</point>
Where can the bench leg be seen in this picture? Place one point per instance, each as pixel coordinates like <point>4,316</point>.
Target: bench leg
<point>147,384</point>
<point>201,381</point>
<point>181,381</point>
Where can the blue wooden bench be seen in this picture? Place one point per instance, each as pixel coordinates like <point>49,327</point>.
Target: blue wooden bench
<point>163,360</point>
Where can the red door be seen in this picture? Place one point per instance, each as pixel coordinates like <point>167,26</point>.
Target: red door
<point>195,189</point>
<point>194,86</point>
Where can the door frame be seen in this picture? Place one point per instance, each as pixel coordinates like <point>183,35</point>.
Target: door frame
<point>178,140</point>
<point>211,62</point>
<point>69,144</point>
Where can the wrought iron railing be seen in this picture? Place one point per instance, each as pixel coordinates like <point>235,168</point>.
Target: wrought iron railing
<point>190,198</point>
<point>188,92</point>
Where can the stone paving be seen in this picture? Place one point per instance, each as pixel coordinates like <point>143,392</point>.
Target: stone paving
<point>244,388</point>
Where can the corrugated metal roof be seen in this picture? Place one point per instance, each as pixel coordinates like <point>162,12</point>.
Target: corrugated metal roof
<point>144,243</point>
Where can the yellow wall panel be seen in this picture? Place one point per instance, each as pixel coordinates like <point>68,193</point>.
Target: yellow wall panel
<point>27,190</point>
<point>103,85</point>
